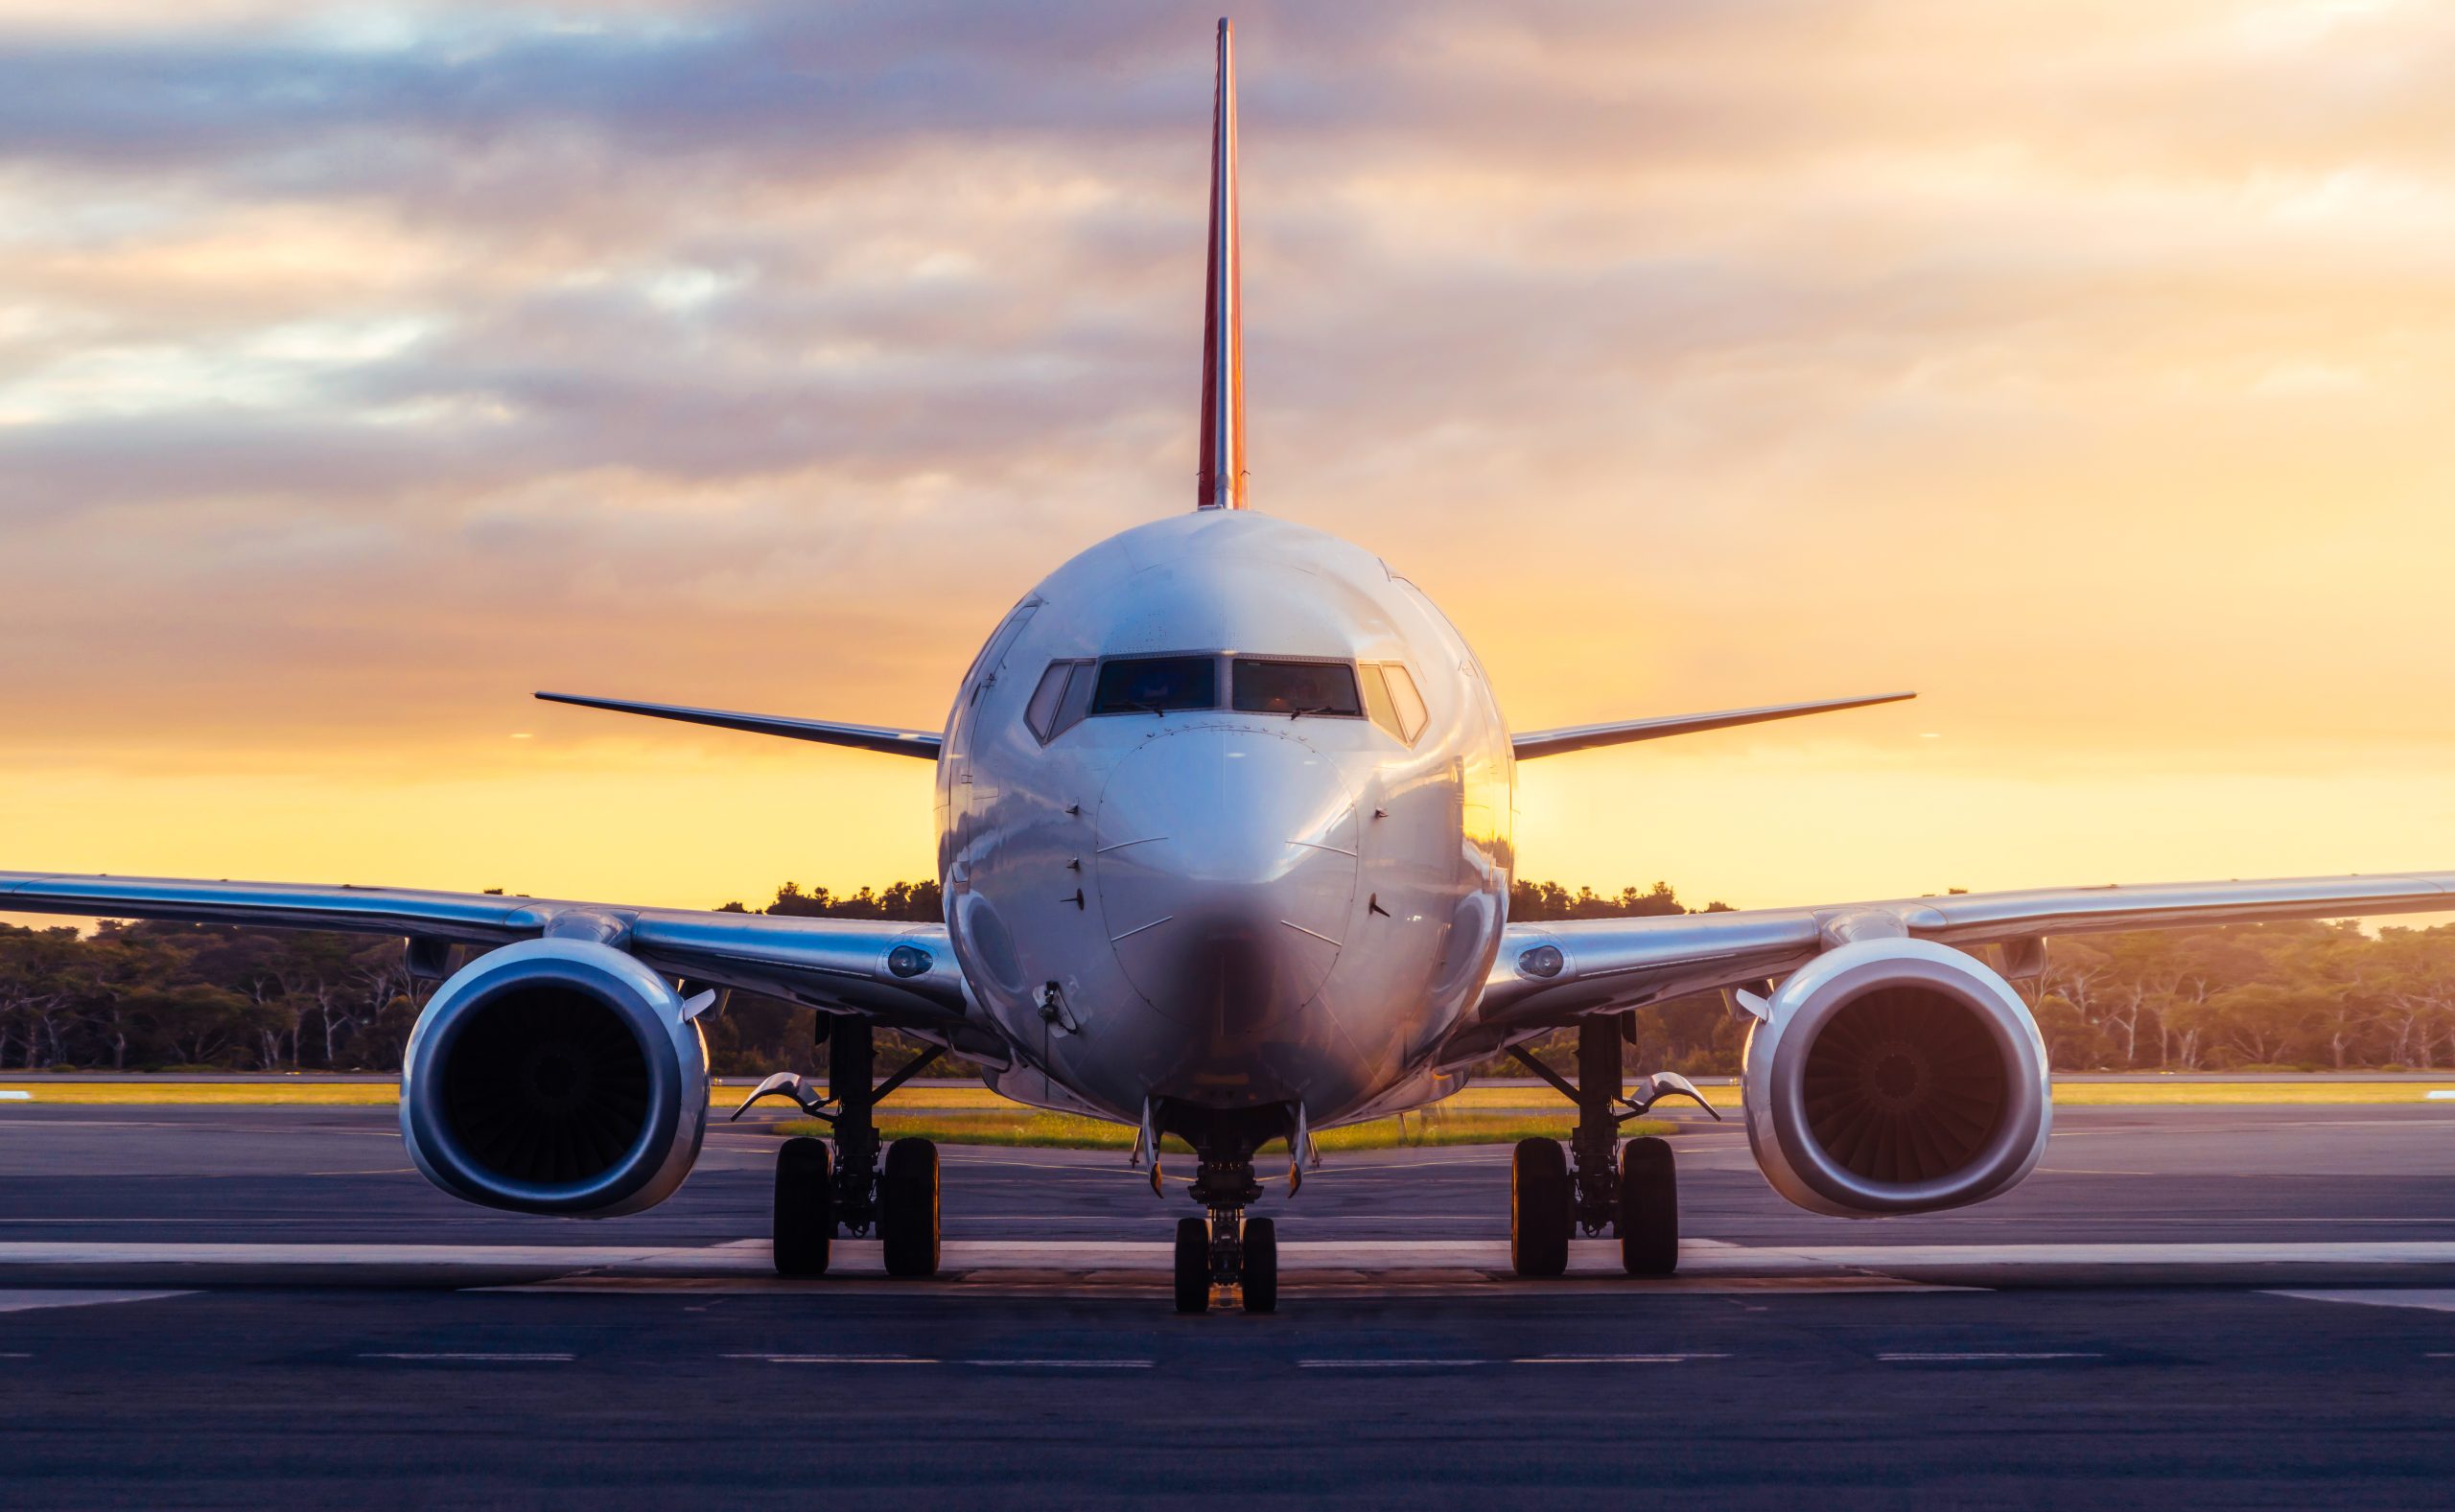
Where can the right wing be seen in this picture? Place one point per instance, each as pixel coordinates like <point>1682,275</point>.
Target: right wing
<point>1551,973</point>
<point>897,974</point>
<point>864,738</point>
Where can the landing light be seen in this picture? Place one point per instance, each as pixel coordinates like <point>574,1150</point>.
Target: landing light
<point>1543,960</point>
<point>907,960</point>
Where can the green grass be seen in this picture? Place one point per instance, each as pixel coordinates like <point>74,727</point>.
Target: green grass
<point>1071,1131</point>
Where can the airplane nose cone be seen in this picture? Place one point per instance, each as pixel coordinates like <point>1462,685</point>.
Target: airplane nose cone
<point>1227,873</point>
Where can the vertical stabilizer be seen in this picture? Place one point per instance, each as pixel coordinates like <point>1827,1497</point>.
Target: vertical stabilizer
<point>1223,310</point>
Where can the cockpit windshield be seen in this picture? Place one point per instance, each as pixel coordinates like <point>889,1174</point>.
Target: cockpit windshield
<point>1296,688</point>
<point>1154,684</point>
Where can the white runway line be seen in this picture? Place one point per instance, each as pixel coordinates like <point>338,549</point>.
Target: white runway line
<point>1612,1360</point>
<point>2435,1301</point>
<point>1387,1364</point>
<point>471,1356</point>
<point>26,1301</point>
<point>837,1360</point>
<point>1063,1364</point>
<point>1935,1357</point>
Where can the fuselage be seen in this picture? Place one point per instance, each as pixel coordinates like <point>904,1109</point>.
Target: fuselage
<point>1224,817</point>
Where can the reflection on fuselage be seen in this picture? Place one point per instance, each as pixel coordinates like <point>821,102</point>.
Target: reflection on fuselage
<point>1220,878</point>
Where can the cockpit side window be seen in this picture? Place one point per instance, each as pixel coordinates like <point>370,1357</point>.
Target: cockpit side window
<point>1048,699</point>
<point>1296,688</point>
<point>1391,698</point>
<point>991,654</point>
<point>1151,685</point>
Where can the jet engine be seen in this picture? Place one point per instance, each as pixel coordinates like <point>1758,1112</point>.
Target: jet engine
<point>1895,1076</point>
<point>556,1075</point>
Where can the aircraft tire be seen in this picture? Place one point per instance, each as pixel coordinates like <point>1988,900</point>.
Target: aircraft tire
<point>804,1208</point>
<point>1193,1265</point>
<point>1257,1278</point>
<point>908,1208</point>
<point>1540,1208</point>
<point>1648,1221</point>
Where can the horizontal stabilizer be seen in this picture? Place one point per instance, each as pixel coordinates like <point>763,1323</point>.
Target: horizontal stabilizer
<point>862,737</point>
<point>1554,742</point>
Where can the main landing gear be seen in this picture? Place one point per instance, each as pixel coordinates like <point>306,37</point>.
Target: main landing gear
<point>816,1193</point>
<point>1630,1189</point>
<point>1227,1251</point>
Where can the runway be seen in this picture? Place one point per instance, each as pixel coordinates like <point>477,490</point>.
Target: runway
<point>2232,1307</point>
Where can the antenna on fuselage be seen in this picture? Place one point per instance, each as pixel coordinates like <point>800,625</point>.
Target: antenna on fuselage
<point>1223,323</point>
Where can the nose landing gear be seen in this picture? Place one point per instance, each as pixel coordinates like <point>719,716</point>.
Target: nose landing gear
<point>1227,1251</point>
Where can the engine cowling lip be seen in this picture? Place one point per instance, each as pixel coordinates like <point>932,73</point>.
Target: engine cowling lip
<point>1776,1098</point>
<point>649,1007</point>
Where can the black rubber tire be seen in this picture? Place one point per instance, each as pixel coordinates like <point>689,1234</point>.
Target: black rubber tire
<point>1258,1276</point>
<point>1193,1265</point>
<point>908,1208</point>
<point>1540,1208</point>
<point>1648,1221</point>
<point>804,1208</point>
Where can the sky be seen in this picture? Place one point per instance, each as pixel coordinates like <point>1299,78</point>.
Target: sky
<point>2087,367</point>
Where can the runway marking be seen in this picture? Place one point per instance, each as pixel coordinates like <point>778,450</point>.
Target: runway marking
<point>1612,1360</point>
<point>1389,1364</point>
<point>29,1300</point>
<point>1061,1365</point>
<point>458,1356</point>
<point>1942,1357</point>
<point>837,1360</point>
<point>2434,1301</point>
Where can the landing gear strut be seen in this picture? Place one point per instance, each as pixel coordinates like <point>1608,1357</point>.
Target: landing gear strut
<point>1632,1190</point>
<point>1227,1249</point>
<point>814,1194</point>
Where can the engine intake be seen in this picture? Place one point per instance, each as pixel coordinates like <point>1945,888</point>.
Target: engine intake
<point>1896,1076</point>
<point>556,1076</point>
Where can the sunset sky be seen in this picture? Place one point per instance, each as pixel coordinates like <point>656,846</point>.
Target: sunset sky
<point>2088,367</point>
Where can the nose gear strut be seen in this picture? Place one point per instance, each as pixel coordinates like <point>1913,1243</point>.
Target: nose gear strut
<point>1226,1249</point>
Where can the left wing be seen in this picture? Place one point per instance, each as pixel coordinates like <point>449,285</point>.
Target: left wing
<point>826,731</point>
<point>899,974</point>
<point>1551,973</point>
<point>1580,737</point>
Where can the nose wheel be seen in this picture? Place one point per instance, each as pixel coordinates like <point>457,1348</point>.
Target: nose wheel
<point>1241,1252</point>
<point>1227,1251</point>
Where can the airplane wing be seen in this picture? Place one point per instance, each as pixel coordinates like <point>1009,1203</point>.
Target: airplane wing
<point>863,738</point>
<point>1551,973</point>
<point>1579,738</point>
<point>902,975</point>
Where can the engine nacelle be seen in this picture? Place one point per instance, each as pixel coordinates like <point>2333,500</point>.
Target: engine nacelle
<point>1896,1076</point>
<point>556,1076</point>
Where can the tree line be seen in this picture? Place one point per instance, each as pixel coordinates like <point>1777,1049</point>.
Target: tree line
<point>152,995</point>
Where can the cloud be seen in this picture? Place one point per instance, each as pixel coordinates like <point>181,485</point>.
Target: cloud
<point>361,368</point>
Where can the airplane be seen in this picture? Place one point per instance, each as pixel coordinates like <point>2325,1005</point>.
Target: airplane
<point>1223,830</point>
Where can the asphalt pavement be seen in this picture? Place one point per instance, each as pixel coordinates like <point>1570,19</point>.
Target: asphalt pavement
<point>2207,1307</point>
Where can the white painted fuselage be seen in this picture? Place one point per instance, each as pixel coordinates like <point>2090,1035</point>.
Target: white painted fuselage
<point>1224,908</point>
